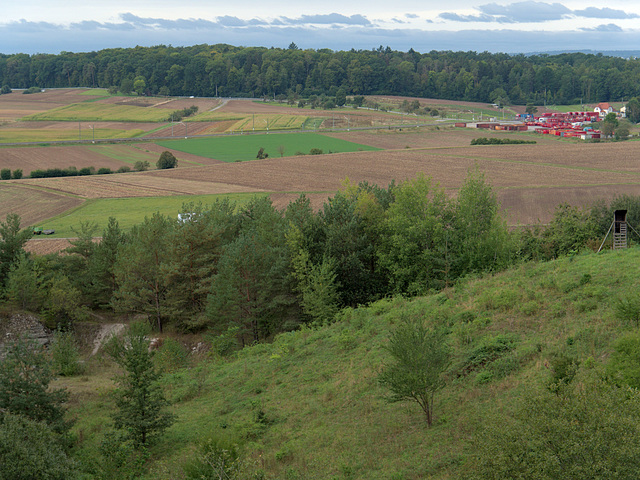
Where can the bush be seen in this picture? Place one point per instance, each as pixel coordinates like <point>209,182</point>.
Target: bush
<point>316,151</point>
<point>216,459</point>
<point>17,174</point>
<point>166,160</point>
<point>5,174</point>
<point>104,171</point>
<point>5,89</point>
<point>30,450</point>
<point>123,169</point>
<point>141,166</point>
<point>262,154</point>
<point>500,141</point>
<point>65,355</point>
<point>172,355</point>
<point>32,90</point>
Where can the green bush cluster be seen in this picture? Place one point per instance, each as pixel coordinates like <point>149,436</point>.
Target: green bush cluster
<point>500,141</point>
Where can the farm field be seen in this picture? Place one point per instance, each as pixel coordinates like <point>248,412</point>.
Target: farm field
<point>234,148</point>
<point>530,180</point>
<point>95,112</point>
<point>37,158</point>
<point>129,211</point>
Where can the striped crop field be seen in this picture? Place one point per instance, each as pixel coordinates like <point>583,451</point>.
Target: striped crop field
<point>87,112</point>
<point>19,135</point>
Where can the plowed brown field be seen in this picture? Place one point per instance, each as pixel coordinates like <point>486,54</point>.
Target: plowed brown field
<point>33,204</point>
<point>35,158</point>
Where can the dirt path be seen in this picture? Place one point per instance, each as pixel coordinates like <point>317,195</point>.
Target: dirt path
<point>106,332</point>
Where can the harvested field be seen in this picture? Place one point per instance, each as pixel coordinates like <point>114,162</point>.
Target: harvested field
<point>36,158</point>
<point>138,184</point>
<point>16,105</point>
<point>32,204</point>
<point>45,246</point>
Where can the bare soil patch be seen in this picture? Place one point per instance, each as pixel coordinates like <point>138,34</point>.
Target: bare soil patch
<point>45,246</point>
<point>32,204</point>
<point>16,105</point>
<point>36,158</point>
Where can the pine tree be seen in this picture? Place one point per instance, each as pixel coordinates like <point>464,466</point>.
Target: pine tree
<point>139,397</point>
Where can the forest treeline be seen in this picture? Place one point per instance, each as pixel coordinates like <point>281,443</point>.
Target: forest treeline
<point>250,272</point>
<point>225,70</point>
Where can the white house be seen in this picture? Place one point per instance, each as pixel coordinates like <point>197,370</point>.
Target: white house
<point>603,109</point>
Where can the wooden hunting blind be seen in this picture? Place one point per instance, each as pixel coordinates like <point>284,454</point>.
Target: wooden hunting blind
<point>619,229</point>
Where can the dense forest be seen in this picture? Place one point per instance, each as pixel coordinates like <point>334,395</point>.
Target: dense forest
<point>225,70</point>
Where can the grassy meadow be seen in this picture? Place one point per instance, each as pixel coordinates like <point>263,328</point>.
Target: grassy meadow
<point>245,147</point>
<point>128,211</point>
<point>309,405</point>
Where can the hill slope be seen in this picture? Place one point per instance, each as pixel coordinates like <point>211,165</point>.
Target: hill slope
<point>309,406</point>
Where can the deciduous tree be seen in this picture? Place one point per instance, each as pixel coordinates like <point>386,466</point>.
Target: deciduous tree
<point>419,356</point>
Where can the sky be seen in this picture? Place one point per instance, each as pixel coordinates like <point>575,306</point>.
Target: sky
<point>38,26</point>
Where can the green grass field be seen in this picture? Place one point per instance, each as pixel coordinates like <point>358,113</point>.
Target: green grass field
<point>128,211</point>
<point>245,147</point>
<point>96,112</point>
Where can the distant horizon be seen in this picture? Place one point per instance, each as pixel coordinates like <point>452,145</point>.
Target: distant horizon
<point>34,26</point>
<point>628,53</point>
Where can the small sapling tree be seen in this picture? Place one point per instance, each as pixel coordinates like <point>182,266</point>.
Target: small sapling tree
<point>139,397</point>
<point>419,357</point>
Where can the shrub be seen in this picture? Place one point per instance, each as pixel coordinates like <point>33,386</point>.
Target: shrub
<point>216,459</point>
<point>141,165</point>
<point>5,89</point>
<point>262,154</point>
<point>29,450</point>
<point>166,160</point>
<point>123,169</point>
<point>17,174</point>
<point>172,355</point>
<point>104,171</point>
<point>316,151</point>
<point>65,355</point>
<point>5,174</point>
<point>32,90</point>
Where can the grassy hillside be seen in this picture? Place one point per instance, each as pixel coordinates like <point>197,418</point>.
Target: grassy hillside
<point>309,406</point>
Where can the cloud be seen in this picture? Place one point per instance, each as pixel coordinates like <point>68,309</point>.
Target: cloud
<point>411,15</point>
<point>593,12</point>
<point>520,12</point>
<point>328,19</point>
<point>533,12</point>
<point>604,28</point>
<point>454,17</point>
